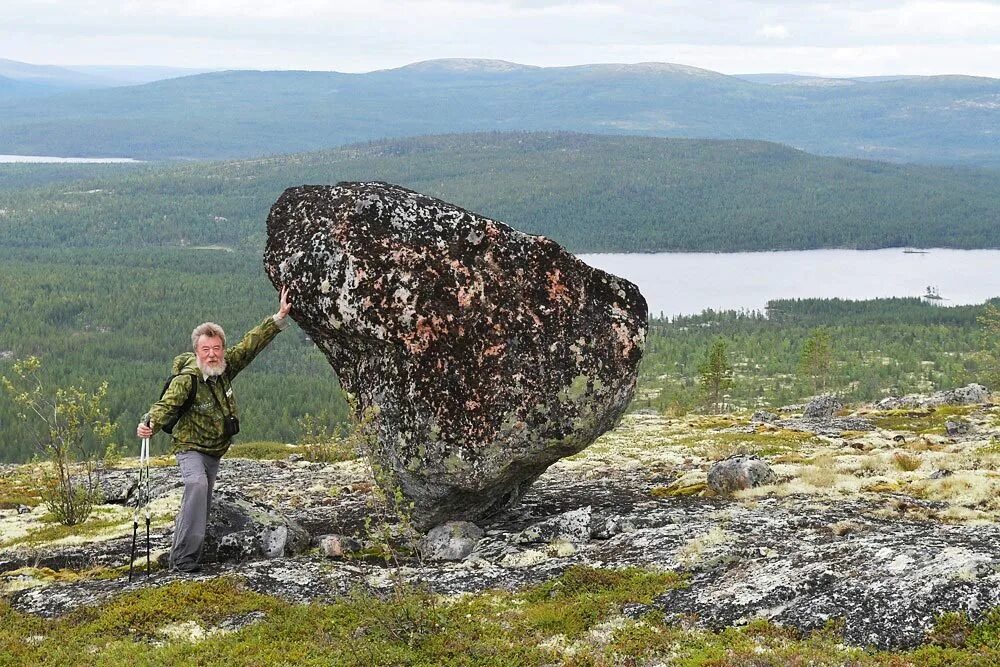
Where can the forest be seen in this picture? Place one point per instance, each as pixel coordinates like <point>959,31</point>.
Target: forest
<point>104,269</point>
<point>590,193</point>
<point>121,315</point>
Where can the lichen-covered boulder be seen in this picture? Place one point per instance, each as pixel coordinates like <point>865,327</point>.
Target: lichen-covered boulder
<point>484,353</point>
<point>823,407</point>
<point>739,472</point>
<point>241,529</point>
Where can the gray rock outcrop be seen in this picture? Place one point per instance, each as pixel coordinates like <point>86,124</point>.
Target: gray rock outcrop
<point>484,354</point>
<point>822,407</point>
<point>967,395</point>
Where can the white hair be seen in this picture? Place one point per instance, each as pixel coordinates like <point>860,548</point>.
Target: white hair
<point>210,329</point>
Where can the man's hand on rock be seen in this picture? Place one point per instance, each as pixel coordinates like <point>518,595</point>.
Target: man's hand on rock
<point>284,306</point>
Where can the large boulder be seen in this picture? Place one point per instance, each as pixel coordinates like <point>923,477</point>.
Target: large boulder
<point>484,354</point>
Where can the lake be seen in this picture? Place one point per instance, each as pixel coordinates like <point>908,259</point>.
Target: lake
<point>687,283</point>
<point>47,159</point>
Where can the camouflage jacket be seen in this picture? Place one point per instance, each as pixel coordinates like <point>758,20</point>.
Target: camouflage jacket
<point>201,427</point>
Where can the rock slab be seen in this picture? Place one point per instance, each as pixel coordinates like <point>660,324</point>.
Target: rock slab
<point>484,354</point>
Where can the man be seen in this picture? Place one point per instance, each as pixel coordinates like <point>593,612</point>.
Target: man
<point>204,431</point>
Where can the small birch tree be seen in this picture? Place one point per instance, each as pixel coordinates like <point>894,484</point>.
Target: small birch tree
<point>66,418</point>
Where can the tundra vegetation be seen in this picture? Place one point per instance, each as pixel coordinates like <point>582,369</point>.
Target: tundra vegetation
<point>579,617</point>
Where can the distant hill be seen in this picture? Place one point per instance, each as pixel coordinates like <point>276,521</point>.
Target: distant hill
<point>51,78</point>
<point>589,192</point>
<point>944,120</point>
<point>28,80</point>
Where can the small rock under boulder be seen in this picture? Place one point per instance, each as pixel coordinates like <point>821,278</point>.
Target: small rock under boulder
<point>484,354</point>
<point>451,541</point>
<point>240,529</point>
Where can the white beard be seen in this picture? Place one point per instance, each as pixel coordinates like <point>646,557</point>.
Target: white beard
<point>212,371</point>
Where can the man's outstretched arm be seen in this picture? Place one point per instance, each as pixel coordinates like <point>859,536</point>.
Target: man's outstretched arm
<point>240,355</point>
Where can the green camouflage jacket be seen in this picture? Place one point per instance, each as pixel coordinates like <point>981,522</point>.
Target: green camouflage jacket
<point>200,428</point>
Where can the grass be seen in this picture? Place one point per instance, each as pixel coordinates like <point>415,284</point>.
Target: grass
<point>261,450</point>
<point>574,619</point>
<point>927,421</point>
<point>18,488</point>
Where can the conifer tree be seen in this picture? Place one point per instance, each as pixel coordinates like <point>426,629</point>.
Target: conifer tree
<point>815,360</point>
<point>716,376</point>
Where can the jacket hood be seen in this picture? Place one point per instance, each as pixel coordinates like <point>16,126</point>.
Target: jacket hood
<point>185,363</point>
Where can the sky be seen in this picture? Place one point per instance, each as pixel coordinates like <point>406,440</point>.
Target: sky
<point>829,38</point>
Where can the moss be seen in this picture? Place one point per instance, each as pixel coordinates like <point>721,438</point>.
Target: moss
<point>261,450</point>
<point>674,491</point>
<point>18,488</point>
<point>925,421</point>
<point>716,422</point>
<point>50,533</point>
<point>574,619</point>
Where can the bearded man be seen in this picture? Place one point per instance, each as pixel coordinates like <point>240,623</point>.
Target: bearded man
<point>203,428</point>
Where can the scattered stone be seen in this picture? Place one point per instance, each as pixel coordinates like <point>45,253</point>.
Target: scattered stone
<point>822,407</point>
<point>899,438</point>
<point>335,546</point>
<point>763,417</point>
<point>604,528</point>
<point>739,472</point>
<point>833,427</point>
<point>967,395</point>
<point>23,509</point>
<point>484,354</point>
<point>941,474</point>
<point>451,541</point>
<point>956,428</point>
<point>573,526</point>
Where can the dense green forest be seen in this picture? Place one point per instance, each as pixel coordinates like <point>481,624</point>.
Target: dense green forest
<point>121,315</point>
<point>878,347</point>
<point>104,269</point>
<point>590,193</point>
<point>941,119</point>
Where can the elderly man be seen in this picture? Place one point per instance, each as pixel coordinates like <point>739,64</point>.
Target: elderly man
<point>200,407</point>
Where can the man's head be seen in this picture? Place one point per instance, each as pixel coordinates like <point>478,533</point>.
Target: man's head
<point>209,343</point>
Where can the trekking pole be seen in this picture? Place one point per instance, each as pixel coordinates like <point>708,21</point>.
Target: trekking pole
<point>140,501</point>
<point>145,463</point>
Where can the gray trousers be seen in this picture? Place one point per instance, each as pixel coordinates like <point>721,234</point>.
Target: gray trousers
<point>198,473</point>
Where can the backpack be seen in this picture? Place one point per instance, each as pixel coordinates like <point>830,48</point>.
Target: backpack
<point>168,427</point>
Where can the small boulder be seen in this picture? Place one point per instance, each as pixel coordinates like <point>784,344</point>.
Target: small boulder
<point>822,407</point>
<point>967,395</point>
<point>240,529</point>
<point>763,417</point>
<point>450,541</point>
<point>956,428</point>
<point>335,546</point>
<point>572,526</point>
<point>739,472</point>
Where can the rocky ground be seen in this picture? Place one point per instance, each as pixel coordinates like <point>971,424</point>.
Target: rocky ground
<point>877,519</point>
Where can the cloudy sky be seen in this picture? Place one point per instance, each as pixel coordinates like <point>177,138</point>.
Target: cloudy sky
<point>833,37</point>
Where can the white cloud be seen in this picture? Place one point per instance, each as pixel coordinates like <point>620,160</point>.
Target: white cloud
<point>773,32</point>
<point>848,36</point>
